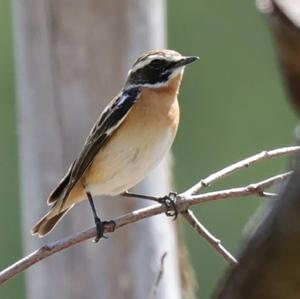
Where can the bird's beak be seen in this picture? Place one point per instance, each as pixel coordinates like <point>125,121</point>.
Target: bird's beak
<point>186,60</point>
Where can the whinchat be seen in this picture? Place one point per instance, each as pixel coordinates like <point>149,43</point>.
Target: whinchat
<point>129,139</point>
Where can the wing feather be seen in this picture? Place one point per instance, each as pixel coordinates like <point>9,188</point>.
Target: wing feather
<point>108,122</point>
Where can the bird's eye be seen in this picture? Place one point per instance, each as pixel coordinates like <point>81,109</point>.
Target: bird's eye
<point>156,64</point>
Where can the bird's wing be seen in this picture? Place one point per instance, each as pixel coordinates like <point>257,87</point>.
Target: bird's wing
<point>108,122</point>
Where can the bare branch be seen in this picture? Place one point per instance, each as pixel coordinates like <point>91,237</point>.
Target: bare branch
<point>182,205</point>
<point>240,165</point>
<point>257,189</point>
<point>251,189</point>
<point>202,231</point>
<point>183,202</point>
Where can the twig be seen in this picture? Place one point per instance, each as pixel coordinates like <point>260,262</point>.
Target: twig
<point>159,276</point>
<point>239,165</point>
<point>182,204</point>
<point>256,188</point>
<point>202,231</point>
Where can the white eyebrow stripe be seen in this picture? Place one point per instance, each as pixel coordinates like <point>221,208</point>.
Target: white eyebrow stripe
<point>152,57</point>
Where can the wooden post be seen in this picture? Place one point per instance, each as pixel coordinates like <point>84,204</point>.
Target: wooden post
<point>72,57</point>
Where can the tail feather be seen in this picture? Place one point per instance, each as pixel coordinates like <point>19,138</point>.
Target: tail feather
<point>60,188</point>
<point>56,193</point>
<point>47,223</point>
<point>60,204</point>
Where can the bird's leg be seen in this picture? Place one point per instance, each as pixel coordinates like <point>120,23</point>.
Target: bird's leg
<point>98,222</point>
<point>100,225</point>
<point>169,201</point>
<point>141,196</point>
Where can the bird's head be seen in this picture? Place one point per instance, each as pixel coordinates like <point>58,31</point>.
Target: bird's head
<point>156,68</point>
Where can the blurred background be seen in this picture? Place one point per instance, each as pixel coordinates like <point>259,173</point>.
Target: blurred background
<point>233,105</point>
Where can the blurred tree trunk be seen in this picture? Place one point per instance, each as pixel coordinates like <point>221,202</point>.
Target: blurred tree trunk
<point>72,57</point>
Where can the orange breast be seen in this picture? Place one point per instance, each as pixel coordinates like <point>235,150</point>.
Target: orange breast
<point>139,143</point>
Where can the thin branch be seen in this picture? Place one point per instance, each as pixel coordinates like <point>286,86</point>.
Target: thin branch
<point>251,189</point>
<point>159,275</point>
<point>73,240</point>
<point>240,165</point>
<point>182,204</point>
<point>268,194</point>
<point>257,188</point>
<point>213,241</point>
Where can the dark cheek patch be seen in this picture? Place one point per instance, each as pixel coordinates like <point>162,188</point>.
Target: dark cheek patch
<point>149,76</point>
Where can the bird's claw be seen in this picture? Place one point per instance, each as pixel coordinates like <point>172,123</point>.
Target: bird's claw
<point>169,201</point>
<point>100,228</point>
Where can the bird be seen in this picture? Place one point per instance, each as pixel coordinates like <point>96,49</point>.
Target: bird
<point>128,140</point>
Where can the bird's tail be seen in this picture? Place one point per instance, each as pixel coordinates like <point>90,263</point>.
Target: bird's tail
<point>47,223</point>
<point>60,205</point>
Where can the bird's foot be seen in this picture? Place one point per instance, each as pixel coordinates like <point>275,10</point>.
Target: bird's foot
<point>169,201</point>
<point>100,228</point>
